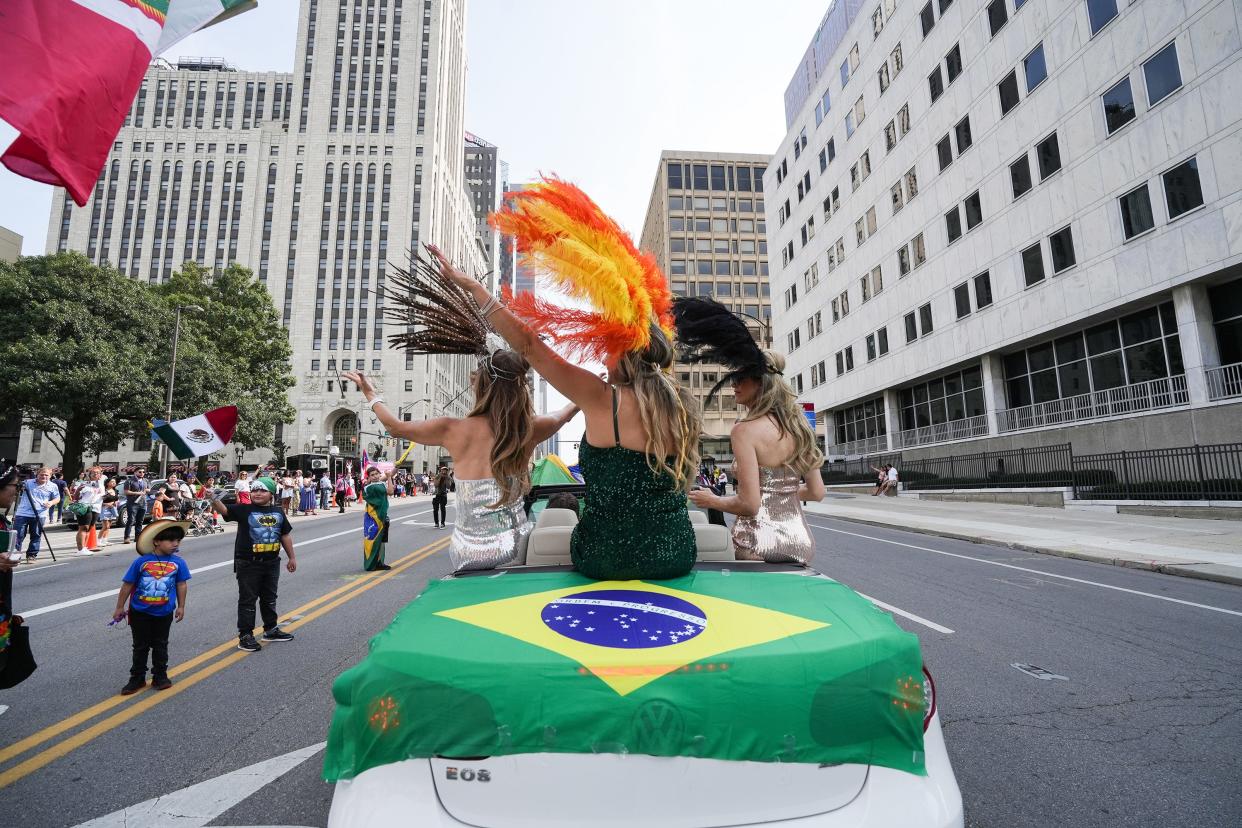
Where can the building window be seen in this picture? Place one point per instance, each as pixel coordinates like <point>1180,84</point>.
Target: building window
<point>1032,265</point>
<point>895,58</point>
<point>954,396</point>
<point>944,152</point>
<point>881,338</point>
<point>1136,214</point>
<point>928,18</point>
<point>953,224</point>
<point>1061,244</point>
<point>925,320</point>
<point>1182,191</point>
<point>1137,348</point>
<point>953,63</point>
<point>962,133</point>
<point>983,290</point>
<point>974,211</point>
<point>890,136</point>
<point>903,260</point>
<point>1008,89</point>
<point>1226,303</point>
<point>1048,153</point>
<point>1035,67</point>
<point>998,16</point>
<point>919,252</point>
<point>831,146</point>
<point>912,183</point>
<point>935,84</point>
<point>961,299</point>
<point>912,329</point>
<point>882,74</point>
<point>860,421</point>
<point>1020,176</point>
<point>1100,12</point>
<point>674,175</point>
<point>1162,74</point>
<point>1119,106</point>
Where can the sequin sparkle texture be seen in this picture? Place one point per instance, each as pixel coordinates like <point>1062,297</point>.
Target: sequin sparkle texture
<point>778,532</point>
<point>487,536</point>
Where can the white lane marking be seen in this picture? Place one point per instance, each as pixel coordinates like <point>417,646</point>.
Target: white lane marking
<point>30,569</point>
<point>200,804</point>
<point>193,571</point>
<point>915,618</point>
<point>1035,571</point>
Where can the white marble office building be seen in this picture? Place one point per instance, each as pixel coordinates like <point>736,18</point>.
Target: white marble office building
<point>319,180</point>
<point>1014,223</point>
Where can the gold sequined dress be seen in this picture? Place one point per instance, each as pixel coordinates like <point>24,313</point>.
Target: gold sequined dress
<point>778,532</point>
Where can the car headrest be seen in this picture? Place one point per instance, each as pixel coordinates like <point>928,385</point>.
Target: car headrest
<point>699,518</point>
<point>556,517</point>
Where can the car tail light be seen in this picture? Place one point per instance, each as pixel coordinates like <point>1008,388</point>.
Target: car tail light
<point>929,698</point>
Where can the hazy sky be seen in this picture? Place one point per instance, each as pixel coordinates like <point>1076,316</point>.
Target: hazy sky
<point>588,89</point>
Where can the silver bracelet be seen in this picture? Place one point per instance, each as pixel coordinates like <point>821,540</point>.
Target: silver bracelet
<point>372,403</point>
<point>490,306</point>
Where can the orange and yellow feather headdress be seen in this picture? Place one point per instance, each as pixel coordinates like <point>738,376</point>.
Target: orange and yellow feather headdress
<point>567,238</point>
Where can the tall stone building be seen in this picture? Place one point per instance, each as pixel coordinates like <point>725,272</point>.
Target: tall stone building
<point>1004,225</point>
<point>483,185</point>
<point>705,225</point>
<point>319,180</point>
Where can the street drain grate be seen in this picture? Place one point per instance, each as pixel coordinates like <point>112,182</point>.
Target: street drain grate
<point>1038,672</point>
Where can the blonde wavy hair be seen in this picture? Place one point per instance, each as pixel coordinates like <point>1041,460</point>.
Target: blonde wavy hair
<point>502,394</point>
<point>670,415</point>
<point>777,399</point>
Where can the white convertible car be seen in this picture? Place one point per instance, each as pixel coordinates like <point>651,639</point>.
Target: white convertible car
<point>631,779</point>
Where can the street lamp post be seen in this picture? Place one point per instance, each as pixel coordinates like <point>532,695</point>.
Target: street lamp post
<point>172,379</point>
<point>764,328</point>
<point>239,451</point>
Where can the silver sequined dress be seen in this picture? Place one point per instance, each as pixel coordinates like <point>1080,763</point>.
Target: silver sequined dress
<point>487,536</point>
<point>778,532</point>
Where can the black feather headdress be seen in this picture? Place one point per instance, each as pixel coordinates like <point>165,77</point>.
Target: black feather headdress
<point>435,315</point>
<point>707,331</point>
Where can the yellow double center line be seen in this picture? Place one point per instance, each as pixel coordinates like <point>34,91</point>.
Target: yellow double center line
<point>309,612</point>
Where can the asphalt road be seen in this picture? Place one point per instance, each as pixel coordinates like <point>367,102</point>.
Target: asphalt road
<point>1142,729</point>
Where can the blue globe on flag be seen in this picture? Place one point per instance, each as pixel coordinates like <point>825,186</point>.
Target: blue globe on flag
<point>624,618</point>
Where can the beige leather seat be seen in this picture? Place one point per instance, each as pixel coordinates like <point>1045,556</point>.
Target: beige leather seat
<point>549,545</point>
<point>556,517</point>
<point>698,518</point>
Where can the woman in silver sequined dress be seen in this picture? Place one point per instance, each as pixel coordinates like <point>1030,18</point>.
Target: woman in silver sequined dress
<point>492,445</point>
<point>776,459</point>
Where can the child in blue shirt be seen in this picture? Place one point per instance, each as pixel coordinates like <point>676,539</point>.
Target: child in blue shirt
<point>155,590</point>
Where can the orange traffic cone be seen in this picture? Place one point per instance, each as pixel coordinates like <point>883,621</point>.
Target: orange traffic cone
<point>92,541</point>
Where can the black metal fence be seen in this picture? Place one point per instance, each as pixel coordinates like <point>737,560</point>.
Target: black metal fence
<point>1024,467</point>
<point>1187,473</point>
<point>858,470</point>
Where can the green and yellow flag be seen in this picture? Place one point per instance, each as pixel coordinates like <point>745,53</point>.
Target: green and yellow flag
<point>739,665</point>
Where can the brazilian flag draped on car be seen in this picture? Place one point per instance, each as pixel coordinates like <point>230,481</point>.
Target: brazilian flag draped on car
<point>748,666</point>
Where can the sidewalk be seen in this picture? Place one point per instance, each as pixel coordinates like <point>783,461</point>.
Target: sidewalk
<point>62,537</point>
<point>1207,549</point>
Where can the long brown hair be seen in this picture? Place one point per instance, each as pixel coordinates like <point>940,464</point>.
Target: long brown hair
<point>777,399</point>
<point>502,394</point>
<point>670,416</point>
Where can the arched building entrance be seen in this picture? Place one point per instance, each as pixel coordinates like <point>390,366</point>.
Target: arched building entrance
<point>345,433</point>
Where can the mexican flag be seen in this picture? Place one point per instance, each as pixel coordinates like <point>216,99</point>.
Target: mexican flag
<point>69,70</point>
<point>196,436</point>
<point>764,667</point>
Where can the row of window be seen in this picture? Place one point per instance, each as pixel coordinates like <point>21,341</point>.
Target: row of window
<point>720,267</point>
<point>719,177</point>
<point>716,204</point>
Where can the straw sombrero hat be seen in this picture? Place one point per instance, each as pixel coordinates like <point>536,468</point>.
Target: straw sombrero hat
<point>145,544</point>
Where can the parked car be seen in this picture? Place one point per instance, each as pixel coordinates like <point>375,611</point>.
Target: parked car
<point>498,752</point>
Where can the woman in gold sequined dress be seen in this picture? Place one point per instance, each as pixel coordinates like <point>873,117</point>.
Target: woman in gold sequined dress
<point>776,461</point>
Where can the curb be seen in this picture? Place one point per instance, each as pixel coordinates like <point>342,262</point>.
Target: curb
<point>1182,570</point>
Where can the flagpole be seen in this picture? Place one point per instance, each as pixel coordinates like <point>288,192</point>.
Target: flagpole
<point>172,378</point>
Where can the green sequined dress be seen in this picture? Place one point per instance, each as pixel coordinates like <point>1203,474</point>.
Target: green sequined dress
<point>634,524</point>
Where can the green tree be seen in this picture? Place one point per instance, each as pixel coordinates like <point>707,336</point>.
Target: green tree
<point>232,352</point>
<point>83,354</point>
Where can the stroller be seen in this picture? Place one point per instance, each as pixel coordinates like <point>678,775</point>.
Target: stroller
<point>203,521</point>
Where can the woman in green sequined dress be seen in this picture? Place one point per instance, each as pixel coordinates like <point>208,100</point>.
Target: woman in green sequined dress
<point>639,454</point>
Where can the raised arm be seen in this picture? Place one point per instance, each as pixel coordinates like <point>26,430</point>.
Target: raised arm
<point>745,502</point>
<point>548,424</point>
<point>431,432</point>
<point>578,384</point>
